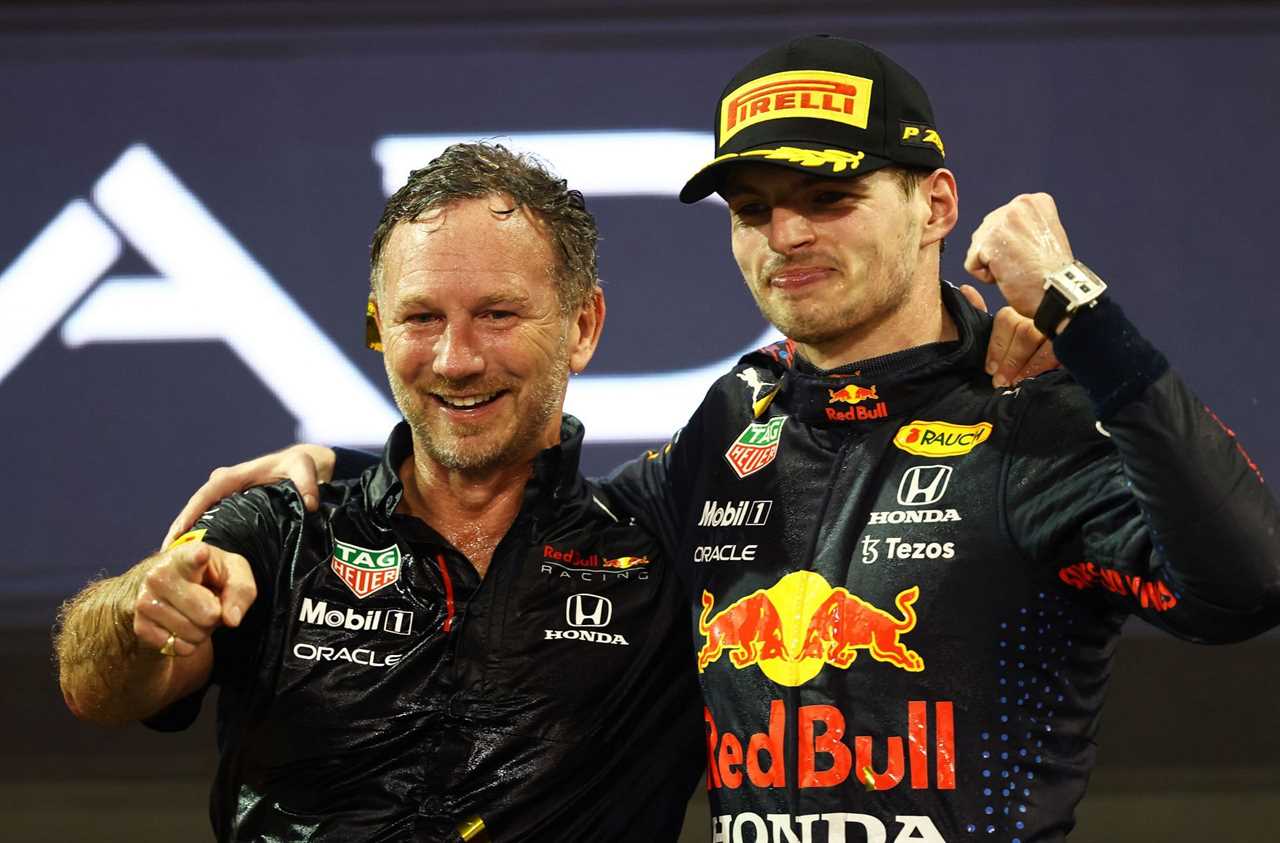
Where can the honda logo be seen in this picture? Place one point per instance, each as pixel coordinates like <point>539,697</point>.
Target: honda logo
<point>588,610</point>
<point>923,484</point>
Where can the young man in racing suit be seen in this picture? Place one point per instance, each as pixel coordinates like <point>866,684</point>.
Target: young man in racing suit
<point>907,590</point>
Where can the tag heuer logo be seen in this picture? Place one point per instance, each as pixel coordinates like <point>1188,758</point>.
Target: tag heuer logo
<point>365,570</point>
<point>755,447</point>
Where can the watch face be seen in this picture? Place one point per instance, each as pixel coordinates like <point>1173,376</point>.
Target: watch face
<point>1077,284</point>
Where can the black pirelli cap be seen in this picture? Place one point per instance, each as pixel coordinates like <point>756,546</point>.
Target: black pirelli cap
<point>822,105</point>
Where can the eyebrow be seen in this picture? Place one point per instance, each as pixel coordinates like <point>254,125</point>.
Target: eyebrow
<point>858,184</point>
<point>513,296</point>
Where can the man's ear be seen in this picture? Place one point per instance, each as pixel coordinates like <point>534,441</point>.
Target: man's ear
<point>939,190</point>
<point>584,332</point>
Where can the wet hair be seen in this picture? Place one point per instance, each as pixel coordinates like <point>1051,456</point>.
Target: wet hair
<point>475,170</point>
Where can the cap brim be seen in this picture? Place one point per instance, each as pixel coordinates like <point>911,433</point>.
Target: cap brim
<point>814,159</point>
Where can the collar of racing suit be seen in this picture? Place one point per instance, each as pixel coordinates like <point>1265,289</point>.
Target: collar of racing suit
<point>555,474</point>
<point>887,387</point>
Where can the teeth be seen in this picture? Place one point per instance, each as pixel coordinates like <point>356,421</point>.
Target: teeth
<point>470,401</point>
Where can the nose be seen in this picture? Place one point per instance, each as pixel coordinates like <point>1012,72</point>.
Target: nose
<point>789,229</point>
<point>457,353</point>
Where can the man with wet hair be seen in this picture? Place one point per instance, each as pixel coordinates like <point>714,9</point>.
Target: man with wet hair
<point>465,641</point>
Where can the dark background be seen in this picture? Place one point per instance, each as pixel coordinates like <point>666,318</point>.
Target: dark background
<point>1154,125</point>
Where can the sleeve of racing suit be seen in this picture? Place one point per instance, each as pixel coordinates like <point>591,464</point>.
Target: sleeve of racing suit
<point>349,464</point>
<point>1159,510</point>
<point>249,523</point>
<point>654,487</point>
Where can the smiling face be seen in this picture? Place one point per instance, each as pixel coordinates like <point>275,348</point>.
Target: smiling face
<point>830,260</point>
<point>477,349</point>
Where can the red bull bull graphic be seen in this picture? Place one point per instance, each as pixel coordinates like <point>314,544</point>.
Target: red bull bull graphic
<point>825,757</point>
<point>853,395</point>
<point>624,562</point>
<point>755,447</point>
<point>801,624</point>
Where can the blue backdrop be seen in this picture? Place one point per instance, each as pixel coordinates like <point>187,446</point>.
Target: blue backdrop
<point>184,220</point>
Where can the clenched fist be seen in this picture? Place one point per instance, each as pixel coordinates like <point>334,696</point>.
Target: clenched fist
<point>1016,246</point>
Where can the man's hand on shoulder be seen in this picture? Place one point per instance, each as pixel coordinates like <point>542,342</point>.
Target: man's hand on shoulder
<point>307,466</point>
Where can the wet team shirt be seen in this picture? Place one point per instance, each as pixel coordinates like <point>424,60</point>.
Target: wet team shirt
<point>378,689</point>
<point>906,587</point>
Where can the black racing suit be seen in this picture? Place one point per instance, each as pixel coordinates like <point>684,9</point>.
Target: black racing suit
<point>908,587</point>
<point>379,690</point>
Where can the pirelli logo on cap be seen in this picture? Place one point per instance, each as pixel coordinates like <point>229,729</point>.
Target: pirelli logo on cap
<point>820,94</point>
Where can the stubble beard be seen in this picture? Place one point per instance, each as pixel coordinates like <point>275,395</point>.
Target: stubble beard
<point>474,448</point>
<point>857,310</point>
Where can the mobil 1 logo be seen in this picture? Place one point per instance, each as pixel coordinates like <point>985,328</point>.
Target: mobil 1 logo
<point>735,513</point>
<point>320,613</point>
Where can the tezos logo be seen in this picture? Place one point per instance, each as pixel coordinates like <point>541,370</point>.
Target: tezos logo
<point>365,570</point>
<point>896,548</point>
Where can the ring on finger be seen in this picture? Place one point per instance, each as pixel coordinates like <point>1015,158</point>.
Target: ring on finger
<point>168,648</point>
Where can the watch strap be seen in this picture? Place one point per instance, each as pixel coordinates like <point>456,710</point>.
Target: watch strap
<point>1051,312</point>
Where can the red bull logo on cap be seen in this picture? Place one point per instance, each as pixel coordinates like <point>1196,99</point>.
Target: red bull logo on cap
<point>801,624</point>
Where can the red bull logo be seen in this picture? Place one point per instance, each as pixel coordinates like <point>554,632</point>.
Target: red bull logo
<point>827,758</point>
<point>624,562</point>
<point>801,624</point>
<point>853,394</point>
